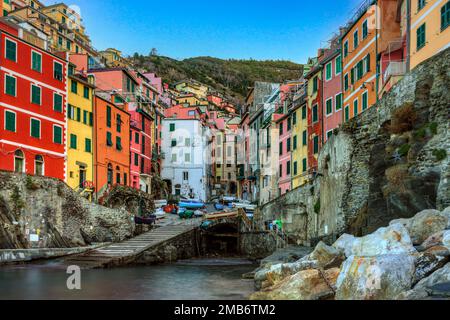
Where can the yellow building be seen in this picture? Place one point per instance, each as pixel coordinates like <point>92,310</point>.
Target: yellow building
<point>192,86</point>
<point>113,58</point>
<point>192,100</point>
<point>5,6</point>
<point>430,32</point>
<point>300,129</point>
<point>80,144</point>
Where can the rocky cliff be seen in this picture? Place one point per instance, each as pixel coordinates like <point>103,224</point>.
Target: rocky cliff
<point>389,162</point>
<point>38,212</point>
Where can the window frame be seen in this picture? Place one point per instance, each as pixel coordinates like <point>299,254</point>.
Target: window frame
<point>62,102</point>
<point>31,128</point>
<point>54,136</point>
<point>424,36</point>
<point>32,55</point>
<point>15,120</point>
<point>355,40</point>
<point>317,113</point>
<point>329,65</point>
<point>55,62</point>
<point>31,94</point>
<point>326,107</point>
<point>336,64</point>
<point>15,85</point>
<point>6,49</point>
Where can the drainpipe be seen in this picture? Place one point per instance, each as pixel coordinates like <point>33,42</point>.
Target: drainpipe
<point>377,67</point>
<point>408,34</point>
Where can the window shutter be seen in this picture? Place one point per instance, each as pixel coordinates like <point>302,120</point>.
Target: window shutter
<point>108,116</point>
<point>35,128</point>
<point>10,120</point>
<point>57,135</point>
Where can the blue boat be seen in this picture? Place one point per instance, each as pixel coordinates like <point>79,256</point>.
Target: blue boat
<point>191,204</point>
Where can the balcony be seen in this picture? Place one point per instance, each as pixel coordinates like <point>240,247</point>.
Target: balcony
<point>395,68</point>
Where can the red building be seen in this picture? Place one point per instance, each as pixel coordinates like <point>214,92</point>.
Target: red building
<point>32,105</point>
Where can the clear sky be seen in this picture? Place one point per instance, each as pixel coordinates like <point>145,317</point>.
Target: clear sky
<point>258,29</point>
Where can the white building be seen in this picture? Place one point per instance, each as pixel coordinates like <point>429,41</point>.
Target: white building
<point>187,157</point>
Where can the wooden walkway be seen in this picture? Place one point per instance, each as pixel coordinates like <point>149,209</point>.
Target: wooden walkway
<point>126,252</point>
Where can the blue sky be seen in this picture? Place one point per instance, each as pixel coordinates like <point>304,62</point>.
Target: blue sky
<point>264,29</point>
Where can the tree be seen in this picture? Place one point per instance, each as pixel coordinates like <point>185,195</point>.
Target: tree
<point>153,52</point>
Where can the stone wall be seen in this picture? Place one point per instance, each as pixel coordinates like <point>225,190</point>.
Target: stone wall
<point>373,170</point>
<point>257,245</point>
<point>39,212</point>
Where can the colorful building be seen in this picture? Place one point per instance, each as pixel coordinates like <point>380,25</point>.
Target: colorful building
<point>284,124</point>
<point>430,32</point>
<point>112,143</point>
<point>113,58</point>
<point>32,106</point>
<point>80,135</point>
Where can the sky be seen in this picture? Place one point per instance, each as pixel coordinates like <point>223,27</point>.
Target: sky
<point>227,29</point>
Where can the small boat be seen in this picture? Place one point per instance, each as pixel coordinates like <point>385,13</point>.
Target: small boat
<point>219,206</point>
<point>191,204</point>
<point>147,220</point>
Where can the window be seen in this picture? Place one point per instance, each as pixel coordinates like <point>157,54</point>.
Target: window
<point>339,102</point>
<point>185,176</point>
<point>365,100</point>
<point>281,170</point>
<point>85,117</point>
<point>10,50</point>
<point>78,114</point>
<point>174,157</point>
<point>68,45</point>
<point>281,128</point>
<point>187,157</point>
<point>338,65</point>
<point>346,82</point>
<point>187,142</point>
<point>88,145</point>
<point>355,107</point>
<point>294,118</point>
<point>35,128</point>
<point>109,142</point>
<point>38,165</point>
<point>119,143</point>
<point>421,4</point>
<point>289,124</point>
<point>174,143</point>
<point>315,114</point>
<point>315,84</point>
<point>288,146</point>
<point>421,37</point>
<point>86,92</point>
<point>136,137</point>
<point>281,148</point>
<point>57,134</point>
<point>295,168</point>
<point>305,138</point>
<point>73,141</point>
<point>57,102</point>
<point>91,119</point>
<point>191,113</point>
<point>346,48</point>
<point>316,144</point>
<point>36,61</point>
<point>172,127</point>
<point>10,121</point>
<point>10,85</point>
<point>35,94</point>
<point>359,70</point>
<point>347,113</point>
<point>304,165</point>
<point>71,70</point>
<point>74,86</point>
<point>136,159</point>
<point>118,176</point>
<point>295,143</point>
<point>445,16</point>
<point>108,116</point>
<point>328,71</point>
<point>229,151</point>
<point>329,106</point>
<point>118,123</point>
<point>58,71</point>
<point>110,174</point>
<point>304,114</point>
<point>355,39</point>
<point>71,112</point>
<point>352,76</point>
<point>365,29</point>
<point>288,168</point>
<point>19,162</point>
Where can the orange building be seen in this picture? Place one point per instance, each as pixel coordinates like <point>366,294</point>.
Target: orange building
<point>368,34</point>
<point>112,141</point>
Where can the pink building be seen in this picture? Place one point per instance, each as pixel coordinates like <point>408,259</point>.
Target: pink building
<point>284,124</point>
<point>332,89</point>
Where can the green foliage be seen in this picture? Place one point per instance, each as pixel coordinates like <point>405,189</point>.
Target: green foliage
<point>440,154</point>
<point>233,77</point>
<point>29,184</point>
<point>17,200</point>
<point>317,206</point>
<point>433,127</point>
<point>404,149</point>
<point>426,130</point>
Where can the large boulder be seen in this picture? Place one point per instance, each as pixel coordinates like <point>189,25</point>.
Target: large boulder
<point>380,277</point>
<point>326,256</point>
<point>311,284</point>
<point>446,239</point>
<point>424,224</point>
<point>391,240</point>
<point>269,276</point>
<point>426,264</point>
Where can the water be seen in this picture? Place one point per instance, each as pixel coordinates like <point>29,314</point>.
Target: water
<point>185,280</point>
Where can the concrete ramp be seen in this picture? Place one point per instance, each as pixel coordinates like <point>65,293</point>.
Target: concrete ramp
<point>126,252</point>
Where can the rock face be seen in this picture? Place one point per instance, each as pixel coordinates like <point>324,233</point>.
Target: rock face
<point>40,212</point>
<point>375,278</point>
<point>391,240</point>
<point>326,257</point>
<point>309,284</point>
<point>424,225</point>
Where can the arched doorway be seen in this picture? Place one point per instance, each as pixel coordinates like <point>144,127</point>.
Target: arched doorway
<point>39,165</point>
<point>118,175</point>
<point>19,161</point>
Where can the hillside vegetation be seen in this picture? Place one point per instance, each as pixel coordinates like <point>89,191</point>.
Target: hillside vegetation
<point>233,77</point>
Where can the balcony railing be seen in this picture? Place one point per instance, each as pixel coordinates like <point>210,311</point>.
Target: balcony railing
<point>395,68</point>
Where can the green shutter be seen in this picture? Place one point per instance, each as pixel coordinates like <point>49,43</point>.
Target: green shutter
<point>364,101</point>
<point>305,165</point>
<point>172,127</point>
<point>88,145</point>
<point>58,71</point>
<point>352,75</point>
<point>108,116</point>
<point>355,108</point>
<point>109,142</point>
<point>119,123</point>
<point>10,121</point>
<point>338,65</point>
<point>315,117</point>
<point>295,168</point>
<point>295,143</point>
<point>304,113</point>
<point>305,138</point>
<point>35,128</point>
<point>347,114</point>
<point>35,95</point>
<point>11,50</point>
<point>445,16</point>
<point>329,71</point>
<point>57,134</point>
<point>78,114</point>
<point>119,143</point>
<point>421,36</point>
<point>73,141</point>
<point>74,86</point>
<point>91,119</point>
<point>10,86</point>
<point>316,144</point>
<point>86,92</point>
<point>329,106</point>
<point>57,102</point>
<point>36,62</point>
